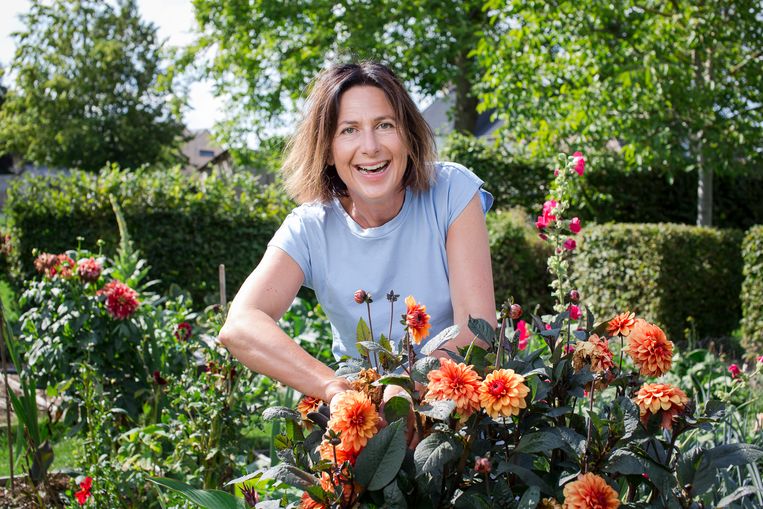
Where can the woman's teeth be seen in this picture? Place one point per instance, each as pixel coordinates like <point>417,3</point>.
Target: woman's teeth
<point>373,169</point>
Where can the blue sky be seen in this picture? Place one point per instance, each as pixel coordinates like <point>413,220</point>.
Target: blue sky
<point>174,20</point>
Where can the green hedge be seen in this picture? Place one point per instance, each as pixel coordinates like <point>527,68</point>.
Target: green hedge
<point>666,273</point>
<point>185,227</point>
<point>519,260</point>
<point>752,292</point>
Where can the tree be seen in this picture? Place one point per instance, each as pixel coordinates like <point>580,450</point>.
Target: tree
<point>88,88</point>
<point>677,84</point>
<point>264,54</point>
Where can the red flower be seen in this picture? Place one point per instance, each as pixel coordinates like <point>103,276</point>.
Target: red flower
<point>579,163</point>
<point>121,300</point>
<point>84,493</point>
<point>482,465</point>
<point>570,244</point>
<point>54,265</point>
<point>524,334</point>
<point>547,217</point>
<point>575,225</point>
<point>760,359</point>
<point>574,312</point>
<point>159,379</point>
<point>183,331</point>
<point>734,370</point>
<point>89,270</point>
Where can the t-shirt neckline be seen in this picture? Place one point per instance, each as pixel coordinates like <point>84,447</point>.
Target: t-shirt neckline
<point>377,231</point>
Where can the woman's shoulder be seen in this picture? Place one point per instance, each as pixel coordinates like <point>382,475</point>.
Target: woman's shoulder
<point>447,173</point>
<point>311,211</point>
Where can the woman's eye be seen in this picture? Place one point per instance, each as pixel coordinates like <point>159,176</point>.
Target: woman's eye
<point>348,130</point>
<point>386,125</point>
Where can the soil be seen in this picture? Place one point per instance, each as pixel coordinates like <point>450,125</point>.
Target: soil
<point>25,496</point>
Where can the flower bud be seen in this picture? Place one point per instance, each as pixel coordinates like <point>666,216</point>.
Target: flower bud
<point>515,311</point>
<point>574,296</point>
<point>360,296</point>
<point>482,466</point>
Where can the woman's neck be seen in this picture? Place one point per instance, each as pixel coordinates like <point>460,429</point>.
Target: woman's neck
<point>370,215</point>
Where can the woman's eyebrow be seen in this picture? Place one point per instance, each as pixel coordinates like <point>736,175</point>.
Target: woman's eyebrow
<point>377,119</point>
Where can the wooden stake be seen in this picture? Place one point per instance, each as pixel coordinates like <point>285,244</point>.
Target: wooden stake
<point>7,396</point>
<point>221,276</point>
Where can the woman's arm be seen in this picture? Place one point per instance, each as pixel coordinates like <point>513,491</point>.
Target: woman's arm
<point>470,270</point>
<point>252,335</point>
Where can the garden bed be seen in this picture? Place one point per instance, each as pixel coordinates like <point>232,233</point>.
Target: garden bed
<point>25,496</point>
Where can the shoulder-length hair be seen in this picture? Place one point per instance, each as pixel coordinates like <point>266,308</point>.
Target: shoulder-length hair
<point>308,176</point>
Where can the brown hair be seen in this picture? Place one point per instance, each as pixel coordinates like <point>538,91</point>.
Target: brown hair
<point>308,176</point>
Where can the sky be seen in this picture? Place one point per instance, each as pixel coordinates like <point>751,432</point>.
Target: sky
<point>174,21</point>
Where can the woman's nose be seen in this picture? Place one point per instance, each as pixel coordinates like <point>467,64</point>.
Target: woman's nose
<point>370,145</point>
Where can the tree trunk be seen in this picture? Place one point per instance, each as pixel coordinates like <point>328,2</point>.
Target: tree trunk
<point>465,107</point>
<point>704,193</point>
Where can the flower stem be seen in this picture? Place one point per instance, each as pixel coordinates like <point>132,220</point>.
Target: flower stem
<point>590,426</point>
<point>501,339</point>
<point>371,328</point>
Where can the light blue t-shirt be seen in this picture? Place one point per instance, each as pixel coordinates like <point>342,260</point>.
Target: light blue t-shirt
<point>406,255</point>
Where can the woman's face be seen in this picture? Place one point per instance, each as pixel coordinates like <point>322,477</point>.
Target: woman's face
<point>368,151</point>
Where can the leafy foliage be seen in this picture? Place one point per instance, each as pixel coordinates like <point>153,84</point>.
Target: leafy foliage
<point>185,227</point>
<point>667,273</point>
<point>89,88</point>
<point>752,291</point>
<point>675,84</point>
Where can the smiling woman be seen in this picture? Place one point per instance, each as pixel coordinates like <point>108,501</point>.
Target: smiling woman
<point>378,213</point>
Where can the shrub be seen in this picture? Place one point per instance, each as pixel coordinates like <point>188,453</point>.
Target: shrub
<point>185,227</point>
<point>519,259</point>
<point>665,272</point>
<point>752,292</point>
<point>512,182</point>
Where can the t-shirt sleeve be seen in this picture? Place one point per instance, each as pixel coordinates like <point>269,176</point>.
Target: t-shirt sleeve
<point>461,184</point>
<point>291,237</point>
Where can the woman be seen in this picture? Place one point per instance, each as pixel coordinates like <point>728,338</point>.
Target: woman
<point>377,213</point>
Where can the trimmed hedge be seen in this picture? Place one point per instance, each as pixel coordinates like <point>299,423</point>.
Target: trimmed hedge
<point>666,273</point>
<point>185,227</point>
<point>519,260</point>
<point>752,292</point>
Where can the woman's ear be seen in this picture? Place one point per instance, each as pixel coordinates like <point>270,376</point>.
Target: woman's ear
<point>330,159</point>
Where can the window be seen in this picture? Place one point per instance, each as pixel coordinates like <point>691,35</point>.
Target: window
<point>206,153</point>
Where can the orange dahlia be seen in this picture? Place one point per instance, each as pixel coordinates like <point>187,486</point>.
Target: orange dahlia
<point>549,503</point>
<point>622,324</point>
<point>307,502</point>
<point>503,393</point>
<point>665,399</point>
<point>417,319</point>
<point>594,353</point>
<point>327,452</point>
<point>355,418</point>
<point>457,382</point>
<point>590,492</point>
<point>306,405</point>
<point>650,349</point>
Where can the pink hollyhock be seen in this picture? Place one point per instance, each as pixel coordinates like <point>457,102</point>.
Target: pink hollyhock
<point>574,312</point>
<point>546,217</point>
<point>734,370</point>
<point>121,300</point>
<point>760,359</point>
<point>575,225</point>
<point>524,334</point>
<point>89,270</point>
<point>541,223</point>
<point>579,163</point>
<point>570,244</point>
<point>85,490</point>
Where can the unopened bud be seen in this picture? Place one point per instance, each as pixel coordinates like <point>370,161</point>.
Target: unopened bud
<point>574,296</point>
<point>515,312</point>
<point>360,296</point>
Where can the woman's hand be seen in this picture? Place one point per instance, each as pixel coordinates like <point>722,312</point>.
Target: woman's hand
<point>412,432</point>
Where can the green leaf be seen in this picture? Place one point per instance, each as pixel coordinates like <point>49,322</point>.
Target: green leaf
<point>539,441</point>
<point>290,475</point>
<point>526,475</point>
<point>379,462</point>
<point>396,408</point>
<point>727,455</point>
<point>281,412</point>
<point>530,499</point>
<point>363,332</point>
<point>393,497</point>
<point>438,410</point>
<point>422,367</point>
<point>440,339</point>
<point>401,380</point>
<point>434,452</point>
<point>208,499</point>
<point>482,329</point>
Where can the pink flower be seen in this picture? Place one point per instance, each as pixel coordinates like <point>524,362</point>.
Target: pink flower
<point>548,326</point>
<point>546,218</point>
<point>760,359</point>
<point>543,236</point>
<point>574,312</point>
<point>575,225</point>
<point>579,163</point>
<point>89,270</point>
<point>734,370</point>
<point>569,349</point>
<point>570,244</point>
<point>524,334</point>
<point>541,223</point>
<point>121,300</point>
<point>556,172</point>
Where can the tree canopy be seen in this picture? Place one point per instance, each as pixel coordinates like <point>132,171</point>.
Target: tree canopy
<point>677,85</point>
<point>88,88</point>
<point>263,55</point>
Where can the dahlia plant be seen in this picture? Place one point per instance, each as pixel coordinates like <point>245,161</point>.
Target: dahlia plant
<point>560,411</point>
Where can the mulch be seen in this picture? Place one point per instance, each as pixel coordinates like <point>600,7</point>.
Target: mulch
<point>25,496</point>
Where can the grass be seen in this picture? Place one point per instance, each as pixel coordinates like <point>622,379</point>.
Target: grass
<point>64,450</point>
